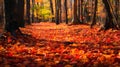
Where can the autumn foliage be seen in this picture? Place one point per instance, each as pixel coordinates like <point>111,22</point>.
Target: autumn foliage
<point>50,45</point>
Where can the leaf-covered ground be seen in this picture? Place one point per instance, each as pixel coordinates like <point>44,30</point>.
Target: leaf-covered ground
<point>50,45</point>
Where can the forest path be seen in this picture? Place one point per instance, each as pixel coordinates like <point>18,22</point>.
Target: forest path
<point>62,32</point>
<point>73,33</point>
<point>50,45</point>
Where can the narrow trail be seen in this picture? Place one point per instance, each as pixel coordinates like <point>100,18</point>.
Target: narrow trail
<point>73,33</point>
<point>48,44</point>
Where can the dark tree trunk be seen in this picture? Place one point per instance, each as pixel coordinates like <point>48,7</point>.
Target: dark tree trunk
<point>28,11</point>
<point>118,5</point>
<point>52,11</point>
<point>109,20</point>
<point>11,16</point>
<point>75,16</point>
<point>57,11</point>
<point>66,11</point>
<point>81,10</point>
<point>71,8</point>
<point>9,12</point>
<point>20,13</point>
<point>1,11</point>
<point>33,3</point>
<point>92,7</point>
<point>117,11</point>
<point>60,11</point>
<point>9,7</point>
<point>94,15</point>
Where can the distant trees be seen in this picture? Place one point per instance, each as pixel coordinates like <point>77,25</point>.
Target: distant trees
<point>58,10</point>
<point>78,12</point>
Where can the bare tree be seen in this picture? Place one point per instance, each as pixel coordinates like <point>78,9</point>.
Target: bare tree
<point>11,15</point>
<point>75,16</point>
<point>109,23</point>
<point>28,11</point>
<point>57,4</point>
<point>94,15</point>
<point>117,10</point>
<point>33,3</point>
<point>52,11</point>
<point>21,13</point>
<point>60,10</point>
<point>66,11</point>
<point>79,9</point>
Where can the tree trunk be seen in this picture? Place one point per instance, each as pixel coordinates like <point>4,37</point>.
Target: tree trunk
<point>33,3</point>
<point>57,11</point>
<point>9,7</point>
<point>94,15</point>
<point>1,11</point>
<point>12,16</point>
<point>81,10</point>
<point>109,20</point>
<point>20,13</point>
<point>66,11</point>
<point>4,19</point>
<point>52,11</point>
<point>117,11</point>
<point>75,16</point>
<point>28,11</point>
<point>71,9</point>
<point>60,11</point>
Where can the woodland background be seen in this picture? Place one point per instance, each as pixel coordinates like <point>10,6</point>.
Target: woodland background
<point>59,33</point>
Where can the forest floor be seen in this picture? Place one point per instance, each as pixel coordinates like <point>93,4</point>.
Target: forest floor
<point>51,45</point>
